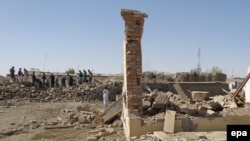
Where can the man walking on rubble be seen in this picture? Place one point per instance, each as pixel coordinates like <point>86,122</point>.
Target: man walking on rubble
<point>12,74</point>
<point>105,96</point>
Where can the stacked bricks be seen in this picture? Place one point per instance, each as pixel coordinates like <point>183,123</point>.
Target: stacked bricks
<point>134,21</point>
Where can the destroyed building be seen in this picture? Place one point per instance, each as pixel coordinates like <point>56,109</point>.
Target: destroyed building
<point>188,103</point>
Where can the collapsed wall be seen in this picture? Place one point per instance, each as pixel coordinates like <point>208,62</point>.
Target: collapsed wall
<point>200,77</point>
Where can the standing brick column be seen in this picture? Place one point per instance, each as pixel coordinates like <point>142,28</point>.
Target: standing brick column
<point>132,90</point>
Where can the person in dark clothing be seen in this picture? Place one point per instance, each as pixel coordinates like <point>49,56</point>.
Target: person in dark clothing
<point>71,80</point>
<point>52,80</point>
<point>33,79</point>
<point>84,76</point>
<point>80,76</point>
<point>56,82</point>
<point>63,82</point>
<point>12,74</point>
<point>90,76</point>
<point>44,79</point>
<point>39,83</point>
<point>26,75</point>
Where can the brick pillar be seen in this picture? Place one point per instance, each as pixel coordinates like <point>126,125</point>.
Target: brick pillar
<point>132,90</point>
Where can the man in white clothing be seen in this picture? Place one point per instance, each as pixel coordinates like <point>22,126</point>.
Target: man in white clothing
<point>105,96</point>
<point>20,75</point>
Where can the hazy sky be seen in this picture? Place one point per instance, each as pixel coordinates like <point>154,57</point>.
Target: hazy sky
<point>89,34</point>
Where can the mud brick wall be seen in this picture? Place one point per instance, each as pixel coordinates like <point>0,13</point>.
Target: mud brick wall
<point>203,77</point>
<point>134,21</point>
<point>212,87</point>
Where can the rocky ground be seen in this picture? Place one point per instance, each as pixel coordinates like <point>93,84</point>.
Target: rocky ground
<point>44,114</point>
<point>54,121</point>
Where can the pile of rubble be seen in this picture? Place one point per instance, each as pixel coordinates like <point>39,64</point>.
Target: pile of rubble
<point>198,104</point>
<point>84,92</point>
<point>81,117</point>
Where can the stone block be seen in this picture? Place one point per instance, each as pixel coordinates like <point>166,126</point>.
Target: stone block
<point>91,138</point>
<point>110,131</point>
<point>188,109</point>
<point>220,99</point>
<point>169,121</point>
<point>180,92</point>
<point>210,112</point>
<point>162,136</point>
<point>198,96</point>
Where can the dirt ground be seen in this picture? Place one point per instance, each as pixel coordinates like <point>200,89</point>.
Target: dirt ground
<point>31,118</point>
<point>22,120</point>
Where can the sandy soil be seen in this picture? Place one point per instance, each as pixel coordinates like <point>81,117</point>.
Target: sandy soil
<point>27,116</point>
<point>24,116</point>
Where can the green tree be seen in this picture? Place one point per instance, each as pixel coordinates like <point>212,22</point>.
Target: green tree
<point>70,71</point>
<point>215,69</point>
<point>194,71</point>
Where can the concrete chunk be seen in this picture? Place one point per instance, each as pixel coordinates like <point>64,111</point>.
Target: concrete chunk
<point>110,130</point>
<point>169,121</point>
<point>112,111</point>
<point>198,96</point>
<point>180,92</point>
<point>92,139</point>
<point>82,118</point>
<point>210,112</point>
<point>220,99</point>
<point>161,135</point>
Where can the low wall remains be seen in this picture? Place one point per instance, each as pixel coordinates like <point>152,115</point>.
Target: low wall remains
<point>215,88</point>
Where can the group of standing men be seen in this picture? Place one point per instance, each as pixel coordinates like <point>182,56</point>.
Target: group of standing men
<point>52,80</point>
<point>85,77</point>
<point>22,76</point>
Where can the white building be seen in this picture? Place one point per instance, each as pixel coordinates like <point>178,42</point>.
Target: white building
<point>247,88</point>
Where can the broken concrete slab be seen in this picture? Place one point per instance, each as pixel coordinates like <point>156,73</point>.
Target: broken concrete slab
<point>181,92</point>
<point>113,110</point>
<point>188,109</point>
<point>210,112</point>
<point>162,136</point>
<point>169,121</point>
<point>220,99</point>
<point>215,105</point>
<point>160,100</point>
<point>198,96</point>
